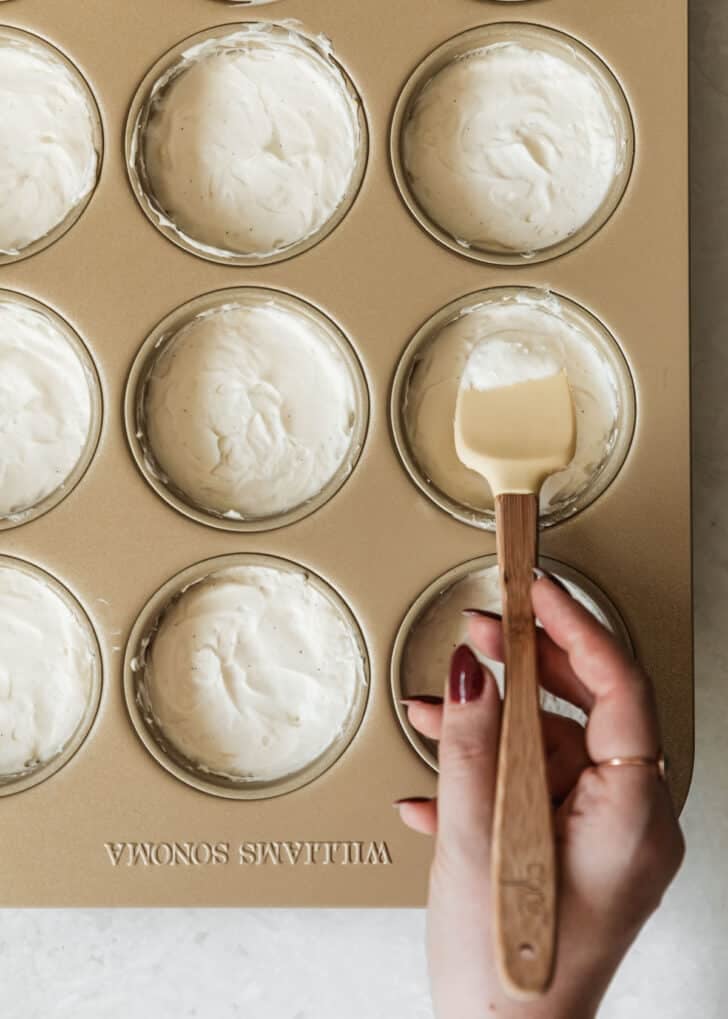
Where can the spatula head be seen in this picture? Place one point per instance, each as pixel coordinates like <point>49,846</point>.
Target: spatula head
<point>515,435</point>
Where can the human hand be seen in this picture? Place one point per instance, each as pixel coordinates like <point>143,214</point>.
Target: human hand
<point>618,841</point>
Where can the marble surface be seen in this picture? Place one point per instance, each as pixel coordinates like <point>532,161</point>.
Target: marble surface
<point>326,965</point>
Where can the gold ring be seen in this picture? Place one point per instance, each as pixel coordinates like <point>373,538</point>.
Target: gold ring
<point>658,762</point>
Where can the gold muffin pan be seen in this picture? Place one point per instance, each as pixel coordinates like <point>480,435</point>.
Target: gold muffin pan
<point>112,826</point>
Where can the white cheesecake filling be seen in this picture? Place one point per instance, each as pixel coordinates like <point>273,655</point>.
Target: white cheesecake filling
<point>495,363</point>
<point>48,156</point>
<point>47,667</point>
<point>252,142</point>
<point>250,409</point>
<point>253,673</point>
<point>45,408</point>
<point>523,337</point>
<point>512,148</point>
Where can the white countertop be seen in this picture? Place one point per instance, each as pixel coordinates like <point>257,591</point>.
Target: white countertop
<point>358,965</point>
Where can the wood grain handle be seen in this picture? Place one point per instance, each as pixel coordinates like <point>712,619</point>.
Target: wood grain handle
<point>524,865</point>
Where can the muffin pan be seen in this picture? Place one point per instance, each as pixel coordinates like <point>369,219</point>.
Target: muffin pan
<point>111,826</point>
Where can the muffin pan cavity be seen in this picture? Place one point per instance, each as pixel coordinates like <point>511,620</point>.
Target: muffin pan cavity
<point>520,322</point>
<point>50,683</point>
<point>512,143</point>
<point>435,625</point>
<point>246,676</point>
<point>246,409</point>
<point>247,144</point>
<point>50,409</point>
<point>51,144</point>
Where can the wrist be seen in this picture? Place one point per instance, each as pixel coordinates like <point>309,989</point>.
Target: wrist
<point>576,992</point>
<point>578,988</point>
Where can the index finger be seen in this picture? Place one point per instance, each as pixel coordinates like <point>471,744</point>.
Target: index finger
<point>623,718</point>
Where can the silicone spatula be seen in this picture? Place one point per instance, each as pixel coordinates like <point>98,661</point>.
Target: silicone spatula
<point>517,435</point>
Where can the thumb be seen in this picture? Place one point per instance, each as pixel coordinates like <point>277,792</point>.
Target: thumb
<point>468,759</point>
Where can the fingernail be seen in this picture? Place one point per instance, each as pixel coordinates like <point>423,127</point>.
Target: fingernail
<point>544,575</point>
<point>483,614</point>
<point>467,678</point>
<point>412,799</point>
<point>423,698</point>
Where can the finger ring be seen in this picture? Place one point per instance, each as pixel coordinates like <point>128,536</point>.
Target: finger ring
<point>658,762</point>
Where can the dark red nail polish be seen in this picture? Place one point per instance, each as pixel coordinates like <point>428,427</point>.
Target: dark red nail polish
<point>467,678</point>
<point>423,698</point>
<point>483,614</point>
<point>412,799</point>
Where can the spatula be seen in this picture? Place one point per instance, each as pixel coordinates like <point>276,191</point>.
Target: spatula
<point>516,435</point>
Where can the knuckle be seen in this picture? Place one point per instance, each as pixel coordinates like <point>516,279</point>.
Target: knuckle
<point>657,861</point>
<point>645,846</point>
<point>667,851</point>
<point>590,651</point>
<point>589,791</point>
<point>652,865</point>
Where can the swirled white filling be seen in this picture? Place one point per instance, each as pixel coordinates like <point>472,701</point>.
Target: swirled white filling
<point>253,673</point>
<point>512,148</point>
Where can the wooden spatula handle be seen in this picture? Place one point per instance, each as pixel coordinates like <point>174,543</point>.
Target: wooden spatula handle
<point>524,867</point>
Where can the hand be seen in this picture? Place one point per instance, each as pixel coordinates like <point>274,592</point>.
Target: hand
<point>618,841</point>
